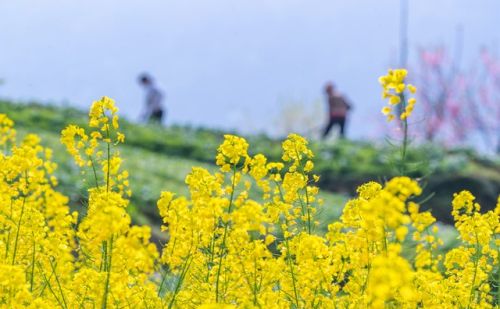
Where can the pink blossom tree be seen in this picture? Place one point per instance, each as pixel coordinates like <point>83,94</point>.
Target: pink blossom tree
<point>459,106</point>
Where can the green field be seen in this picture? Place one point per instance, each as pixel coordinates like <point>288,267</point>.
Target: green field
<point>159,158</point>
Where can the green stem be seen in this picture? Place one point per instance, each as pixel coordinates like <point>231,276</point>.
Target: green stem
<point>7,244</point>
<point>17,231</point>
<point>108,142</point>
<point>498,273</point>
<point>430,248</point>
<point>385,240</point>
<point>368,267</point>
<point>32,266</point>
<point>292,273</point>
<point>178,285</point>
<point>288,256</point>
<point>306,193</point>
<point>47,283</point>
<point>404,146</point>
<point>108,268</point>
<point>58,283</point>
<point>309,229</point>
<point>95,172</point>
<point>104,256</point>
<point>109,165</point>
<point>212,254</point>
<point>42,289</point>
<point>164,277</point>
<point>223,245</point>
<point>255,286</point>
<point>476,262</point>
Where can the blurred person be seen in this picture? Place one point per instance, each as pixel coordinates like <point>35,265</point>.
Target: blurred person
<point>153,109</point>
<point>338,108</point>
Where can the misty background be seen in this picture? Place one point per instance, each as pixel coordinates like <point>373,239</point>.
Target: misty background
<point>226,64</point>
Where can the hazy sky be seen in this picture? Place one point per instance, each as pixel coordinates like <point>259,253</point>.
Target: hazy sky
<point>223,63</point>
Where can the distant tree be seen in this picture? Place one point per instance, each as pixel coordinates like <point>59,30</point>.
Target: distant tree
<point>459,106</point>
<point>299,117</point>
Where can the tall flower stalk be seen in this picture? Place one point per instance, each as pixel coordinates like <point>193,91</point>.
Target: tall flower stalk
<point>394,90</point>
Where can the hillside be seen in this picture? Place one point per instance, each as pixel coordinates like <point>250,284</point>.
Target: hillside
<point>159,158</point>
<point>155,163</point>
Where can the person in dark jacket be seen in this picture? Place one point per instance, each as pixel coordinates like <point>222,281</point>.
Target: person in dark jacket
<point>338,108</point>
<point>154,111</point>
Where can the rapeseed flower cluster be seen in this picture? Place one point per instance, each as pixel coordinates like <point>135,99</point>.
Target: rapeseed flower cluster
<point>394,88</point>
<point>227,246</point>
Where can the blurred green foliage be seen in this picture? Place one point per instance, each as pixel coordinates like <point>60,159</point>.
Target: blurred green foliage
<point>159,158</point>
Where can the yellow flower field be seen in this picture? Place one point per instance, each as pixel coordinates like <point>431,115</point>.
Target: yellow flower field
<point>225,249</point>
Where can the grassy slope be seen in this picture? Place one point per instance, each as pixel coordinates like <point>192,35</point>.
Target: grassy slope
<point>150,173</point>
<point>159,159</point>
